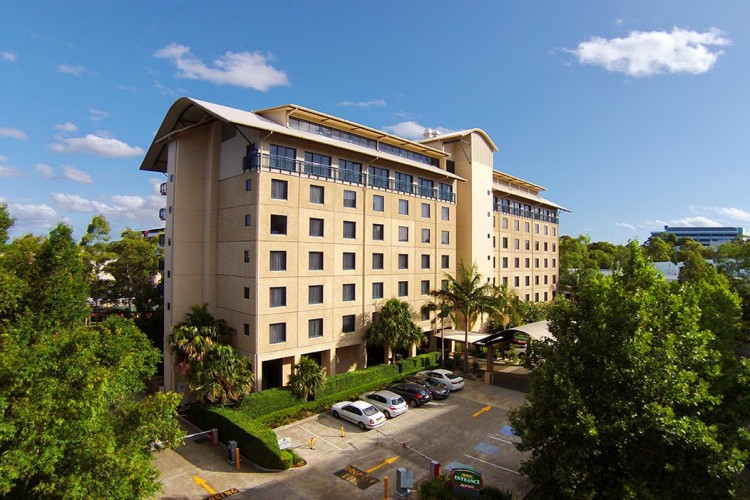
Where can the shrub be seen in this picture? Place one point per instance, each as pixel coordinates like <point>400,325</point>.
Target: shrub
<point>261,403</point>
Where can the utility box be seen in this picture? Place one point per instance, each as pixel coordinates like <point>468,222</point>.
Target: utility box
<point>404,481</point>
<point>434,469</point>
<point>232,450</point>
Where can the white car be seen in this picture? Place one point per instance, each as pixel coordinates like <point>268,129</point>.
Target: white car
<point>361,413</point>
<point>447,377</point>
<point>390,403</point>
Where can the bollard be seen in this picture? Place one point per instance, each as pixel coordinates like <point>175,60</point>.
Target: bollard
<point>237,458</point>
<point>214,436</point>
<point>312,443</point>
<point>385,488</point>
<point>342,431</point>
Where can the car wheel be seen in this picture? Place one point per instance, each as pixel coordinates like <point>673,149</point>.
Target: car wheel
<point>387,414</point>
<point>413,403</point>
<point>361,425</point>
<point>336,414</point>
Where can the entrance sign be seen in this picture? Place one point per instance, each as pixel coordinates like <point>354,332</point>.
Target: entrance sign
<point>466,481</point>
<point>285,443</point>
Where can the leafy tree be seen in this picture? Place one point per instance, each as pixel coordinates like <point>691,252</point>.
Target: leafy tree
<point>467,297</point>
<point>70,425</point>
<point>6,222</point>
<point>506,309</point>
<point>393,327</point>
<point>96,253</point>
<point>574,252</point>
<point>572,281</point>
<point>135,269</point>
<point>307,378</point>
<point>636,397</point>
<point>733,261</point>
<point>213,371</point>
<point>660,247</point>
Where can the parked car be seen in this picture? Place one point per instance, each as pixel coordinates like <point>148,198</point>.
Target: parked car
<point>438,389</point>
<point>414,394</point>
<point>390,403</point>
<point>447,377</point>
<point>361,413</point>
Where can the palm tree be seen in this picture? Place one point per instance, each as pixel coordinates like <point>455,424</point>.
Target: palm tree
<point>466,298</point>
<point>443,312</point>
<point>507,308</point>
<point>307,379</point>
<point>192,338</point>
<point>393,327</point>
<point>222,376</point>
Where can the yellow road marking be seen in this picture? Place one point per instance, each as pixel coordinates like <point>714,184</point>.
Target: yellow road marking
<point>485,409</point>
<point>384,462</point>
<point>202,483</point>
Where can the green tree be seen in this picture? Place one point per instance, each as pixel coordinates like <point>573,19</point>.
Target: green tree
<point>467,297</point>
<point>660,247</point>
<point>213,371</point>
<point>307,378</point>
<point>574,253</point>
<point>632,400</point>
<point>393,327</point>
<point>135,269</point>
<point>95,245</point>
<point>6,222</point>
<point>507,308</point>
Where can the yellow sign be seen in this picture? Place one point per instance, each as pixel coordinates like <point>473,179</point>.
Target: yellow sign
<point>224,494</point>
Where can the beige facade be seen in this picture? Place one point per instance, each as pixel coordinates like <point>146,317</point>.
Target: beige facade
<point>294,226</point>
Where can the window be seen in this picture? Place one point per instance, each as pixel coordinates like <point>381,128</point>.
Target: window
<point>505,223</point>
<point>378,231</point>
<point>278,224</point>
<point>516,244</point>
<point>425,235</point>
<point>403,207</point>
<point>425,261</point>
<point>247,256</point>
<point>247,292</point>
<point>246,329</point>
<point>527,262</point>
<point>315,294</point>
<point>426,210</point>
<point>444,285</point>
<point>248,219</point>
<point>445,261</point>
<point>350,171</point>
<point>403,233</point>
<point>545,246</point>
<point>350,229</point>
<point>426,187</point>
<point>347,292</point>
<point>527,245</point>
<point>278,260</point>
<point>248,184</point>
<point>350,199</point>
<point>536,246</point>
<point>377,261</point>
<point>315,328</point>
<point>347,323</point>
<point>536,263</point>
<point>317,164</point>
<point>282,158</point>
<point>378,203</point>
<point>527,227</point>
<point>546,279</point>
<point>536,228</point>
<point>445,213</point>
<point>377,290</point>
<point>316,261</point>
<point>279,189</point>
<point>554,263</point>
<point>546,230</point>
<point>505,242</point>
<point>425,287</point>
<point>546,263</point>
<point>349,261</point>
<point>403,288</point>
<point>378,177</point>
<point>446,190</point>
<point>505,262</point>
<point>278,296</point>
<point>445,237</point>
<point>403,261</point>
<point>403,182</point>
<point>517,262</point>
<point>516,225</point>
<point>316,227</point>
<point>317,195</point>
<point>527,280</point>
<point>516,281</point>
<point>277,333</point>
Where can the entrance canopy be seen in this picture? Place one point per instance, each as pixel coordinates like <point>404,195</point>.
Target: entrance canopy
<point>459,335</point>
<point>536,331</point>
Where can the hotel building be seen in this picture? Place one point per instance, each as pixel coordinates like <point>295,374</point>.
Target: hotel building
<point>294,225</point>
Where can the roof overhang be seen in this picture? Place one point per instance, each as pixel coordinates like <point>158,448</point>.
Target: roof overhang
<point>459,335</point>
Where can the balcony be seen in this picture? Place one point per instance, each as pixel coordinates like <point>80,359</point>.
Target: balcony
<point>526,213</point>
<point>163,188</point>
<point>162,214</point>
<point>335,174</point>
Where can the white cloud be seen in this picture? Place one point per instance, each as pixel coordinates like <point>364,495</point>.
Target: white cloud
<point>96,115</point>
<point>412,130</point>
<point>731,213</point>
<point>46,171</point>
<point>129,209</point>
<point>3,158</point>
<point>375,103</point>
<point>625,225</point>
<point>96,145</point>
<point>77,70</point>
<point>76,175</point>
<point>33,213</point>
<point>13,133</point>
<point>698,221</point>
<point>9,172</point>
<point>7,55</point>
<point>243,69</point>
<point>66,127</point>
<point>654,52</point>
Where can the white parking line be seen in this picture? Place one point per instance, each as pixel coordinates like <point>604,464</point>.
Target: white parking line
<point>503,440</point>
<point>321,438</point>
<point>494,465</point>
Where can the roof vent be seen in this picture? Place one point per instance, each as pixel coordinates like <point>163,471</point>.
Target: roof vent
<point>428,133</point>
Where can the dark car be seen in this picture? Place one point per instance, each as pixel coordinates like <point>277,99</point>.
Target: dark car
<point>413,393</point>
<point>437,389</point>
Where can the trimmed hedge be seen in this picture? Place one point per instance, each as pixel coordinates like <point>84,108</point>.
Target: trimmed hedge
<point>344,381</point>
<point>255,440</point>
<point>257,404</point>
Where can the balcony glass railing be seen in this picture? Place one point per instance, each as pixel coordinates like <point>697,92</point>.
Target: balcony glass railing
<point>526,213</point>
<point>163,188</point>
<point>291,165</point>
<point>163,214</point>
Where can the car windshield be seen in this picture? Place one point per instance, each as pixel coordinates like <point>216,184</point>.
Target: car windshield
<point>370,411</point>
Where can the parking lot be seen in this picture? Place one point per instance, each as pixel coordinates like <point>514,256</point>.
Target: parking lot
<point>468,428</point>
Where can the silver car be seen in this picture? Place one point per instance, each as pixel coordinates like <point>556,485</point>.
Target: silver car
<point>363,414</point>
<point>390,403</point>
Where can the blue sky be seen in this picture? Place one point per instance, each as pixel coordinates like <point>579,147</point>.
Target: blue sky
<point>633,114</point>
